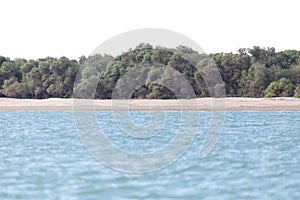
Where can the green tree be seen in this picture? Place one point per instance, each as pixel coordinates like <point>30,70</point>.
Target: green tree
<point>257,80</point>
<point>297,92</point>
<point>10,87</point>
<point>280,88</point>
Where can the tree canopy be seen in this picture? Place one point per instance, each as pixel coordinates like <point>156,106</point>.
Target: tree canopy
<point>252,72</point>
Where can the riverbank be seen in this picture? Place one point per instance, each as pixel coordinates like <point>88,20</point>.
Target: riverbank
<point>282,103</point>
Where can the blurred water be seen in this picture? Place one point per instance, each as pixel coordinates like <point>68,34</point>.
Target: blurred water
<point>256,157</point>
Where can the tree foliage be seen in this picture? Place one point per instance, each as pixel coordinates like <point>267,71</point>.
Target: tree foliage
<point>252,72</point>
<point>280,88</point>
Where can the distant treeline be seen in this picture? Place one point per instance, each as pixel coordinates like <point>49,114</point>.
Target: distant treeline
<point>252,72</point>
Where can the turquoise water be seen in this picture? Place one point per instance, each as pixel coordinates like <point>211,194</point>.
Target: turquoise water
<point>256,157</point>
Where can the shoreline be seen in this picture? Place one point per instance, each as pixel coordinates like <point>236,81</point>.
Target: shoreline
<point>205,104</point>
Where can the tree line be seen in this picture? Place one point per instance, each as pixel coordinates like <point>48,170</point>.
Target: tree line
<point>250,72</point>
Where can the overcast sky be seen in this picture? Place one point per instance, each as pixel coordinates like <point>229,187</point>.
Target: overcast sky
<point>35,28</point>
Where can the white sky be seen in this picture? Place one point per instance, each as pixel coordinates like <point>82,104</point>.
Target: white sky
<point>40,28</point>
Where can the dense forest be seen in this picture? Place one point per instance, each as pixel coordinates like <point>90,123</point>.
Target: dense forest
<point>252,72</point>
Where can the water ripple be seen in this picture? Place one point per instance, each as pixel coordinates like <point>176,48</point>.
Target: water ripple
<point>256,157</point>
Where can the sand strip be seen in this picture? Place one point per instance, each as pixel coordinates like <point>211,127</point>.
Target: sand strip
<point>282,103</point>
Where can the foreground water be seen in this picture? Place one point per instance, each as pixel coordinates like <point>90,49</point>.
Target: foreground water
<point>256,157</point>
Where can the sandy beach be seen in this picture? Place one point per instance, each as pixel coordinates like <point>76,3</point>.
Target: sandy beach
<point>282,103</point>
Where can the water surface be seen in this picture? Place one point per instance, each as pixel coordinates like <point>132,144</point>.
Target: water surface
<point>256,157</point>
